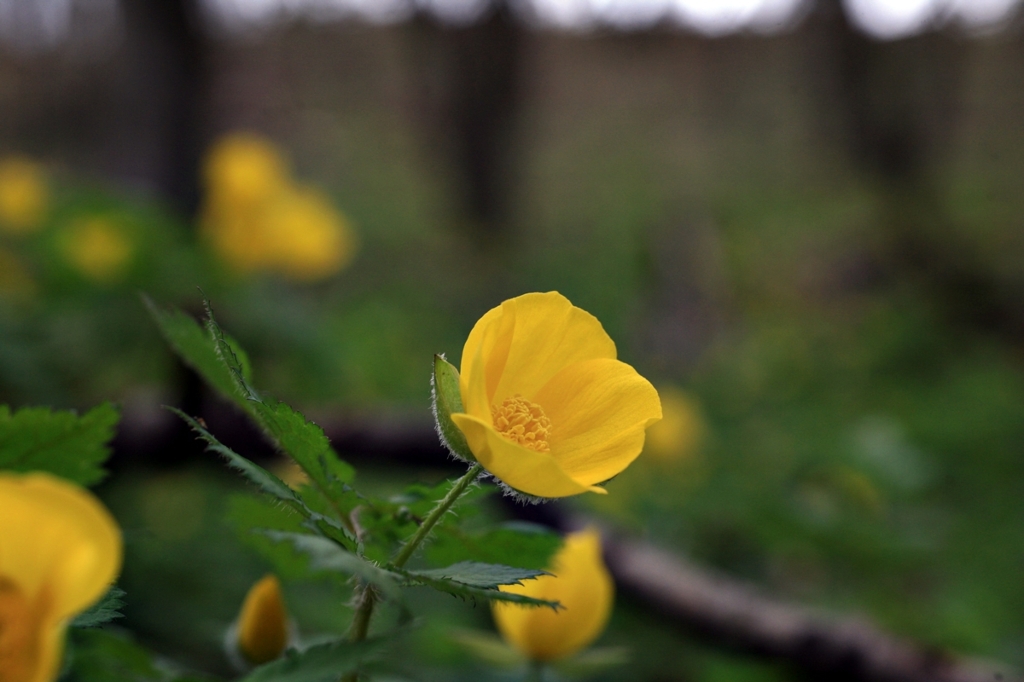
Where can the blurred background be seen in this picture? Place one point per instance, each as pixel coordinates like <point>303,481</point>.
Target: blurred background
<point>800,218</point>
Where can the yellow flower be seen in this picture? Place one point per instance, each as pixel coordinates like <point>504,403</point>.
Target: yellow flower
<point>679,433</point>
<point>548,409</point>
<point>243,169</point>
<point>263,622</point>
<point>237,237</point>
<point>59,552</point>
<point>581,583</point>
<point>308,239</point>
<point>257,218</point>
<point>97,248</point>
<point>24,195</point>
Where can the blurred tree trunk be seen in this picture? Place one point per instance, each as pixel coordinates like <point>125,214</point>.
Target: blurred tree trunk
<point>159,96</point>
<point>898,111</point>
<point>467,83</point>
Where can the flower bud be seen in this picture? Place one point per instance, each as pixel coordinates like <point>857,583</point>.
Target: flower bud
<point>263,622</point>
<point>583,586</point>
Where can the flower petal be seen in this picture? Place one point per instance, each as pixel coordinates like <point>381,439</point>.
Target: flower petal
<point>51,653</point>
<point>528,339</point>
<point>598,411</point>
<point>57,537</point>
<point>484,355</point>
<point>583,586</point>
<point>530,472</point>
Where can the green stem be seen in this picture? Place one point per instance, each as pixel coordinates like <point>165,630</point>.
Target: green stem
<point>535,673</point>
<point>368,597</point>
<point>413,543</point>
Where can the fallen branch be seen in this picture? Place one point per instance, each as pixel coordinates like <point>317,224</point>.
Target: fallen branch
<point>731,615</point>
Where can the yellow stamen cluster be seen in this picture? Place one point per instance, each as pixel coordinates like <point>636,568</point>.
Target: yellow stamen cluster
<point>523,422</point>
<point>19,647</point>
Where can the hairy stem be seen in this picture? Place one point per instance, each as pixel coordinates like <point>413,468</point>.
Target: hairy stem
<point>413,543</point>
<point>368,596</point>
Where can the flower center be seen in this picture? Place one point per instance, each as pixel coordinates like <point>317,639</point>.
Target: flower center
<point>523,423</point>
<point>19,636</point>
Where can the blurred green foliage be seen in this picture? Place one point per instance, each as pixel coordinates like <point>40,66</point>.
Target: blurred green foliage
<point>862,446</point>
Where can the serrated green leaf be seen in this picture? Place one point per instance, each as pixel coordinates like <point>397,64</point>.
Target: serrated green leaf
<point>321,663</point>
<point>221,361</point>
<point>519,544</point>
<point>198,349</point>
<point>105,610</point>
<point>271,484</point>
<point>447,400</point>
<point>306,443</point>
<point>266,481</point>
<point>324,555</point>
<point>476,574</point>
<point>58,442</point>
<point>289,430</point>
<point>465,591</point>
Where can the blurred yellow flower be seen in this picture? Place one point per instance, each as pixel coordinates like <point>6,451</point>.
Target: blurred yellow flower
<point>308,238</point>
<point>59,552</point>
<point>258,219</point>
<point>548,409</point>
<point>581,583</point>
<point>237,237</point>
<point>681,429</point>
<point>243,169</point>
<point>97,248</point>
<point>263,622</point>
<point>24,195</point>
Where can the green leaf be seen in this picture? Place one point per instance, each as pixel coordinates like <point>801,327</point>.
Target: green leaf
<point>58,442</point>
<point>324,555</point>
<point>306,443</point>
<point>221,362</point>
<point>266,481</point>
<point>103,611</point>
<point>471,592</point>
<point>198,349</point>
<point>271,484</point>
<point>476,574</point>
<point>519,544</point>
<point>288,429</point>
<point>447,400</point>
<point>321,663</point>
